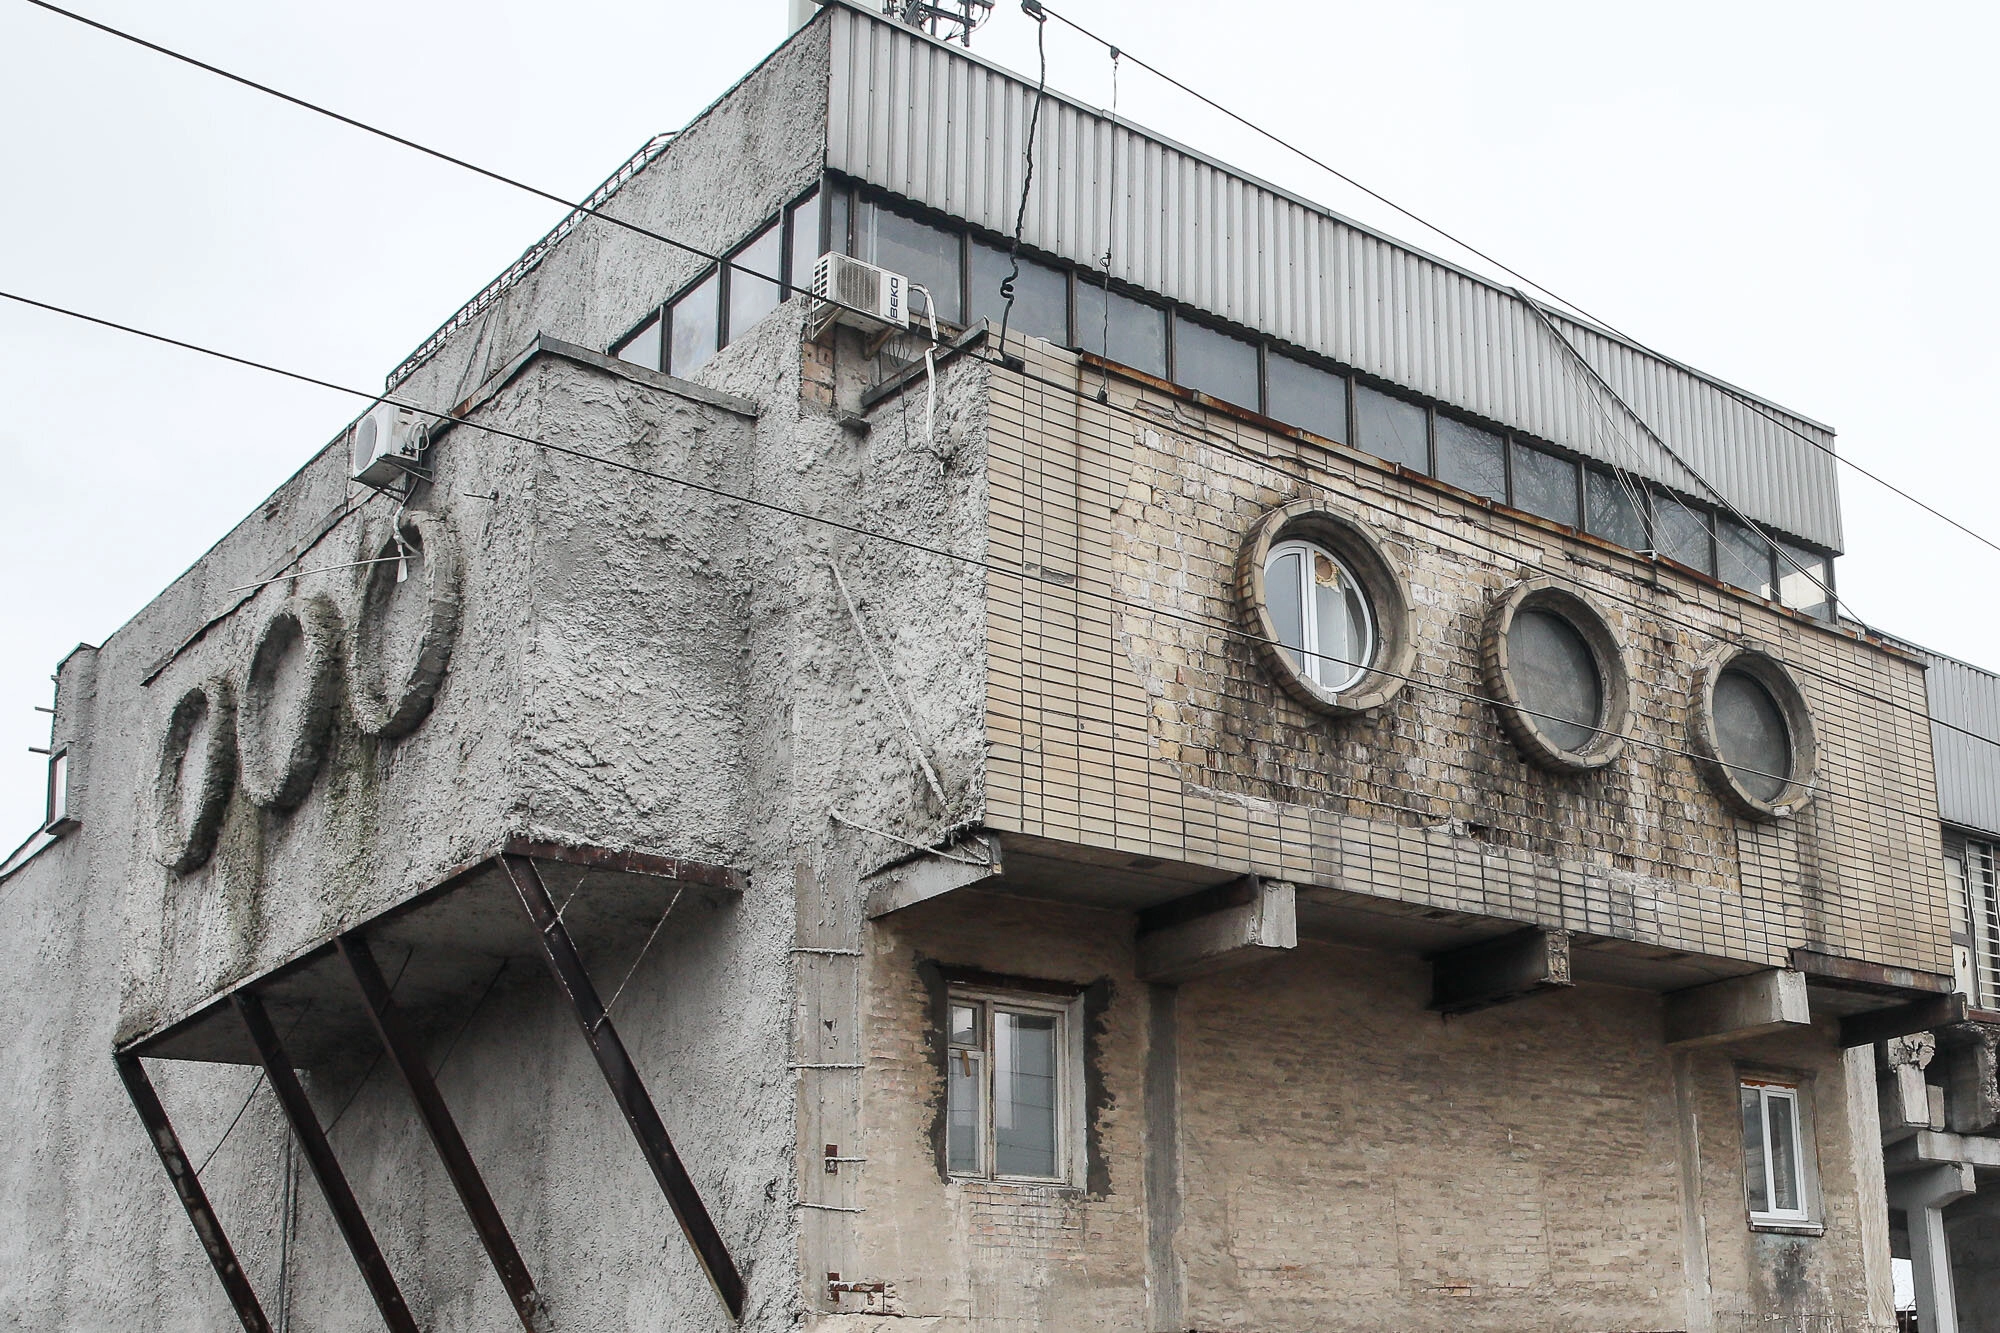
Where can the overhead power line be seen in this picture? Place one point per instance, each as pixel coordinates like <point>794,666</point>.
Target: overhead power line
<point>1077,590</point>
<point>1120,51</point>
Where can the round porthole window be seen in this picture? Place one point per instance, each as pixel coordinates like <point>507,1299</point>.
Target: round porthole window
<point>1753,734</point>
<point>1327,610</point>
<point>1320,613</point>
<point>1557,675</point>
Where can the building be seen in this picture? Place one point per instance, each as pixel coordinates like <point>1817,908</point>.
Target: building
<point>1297,789</point>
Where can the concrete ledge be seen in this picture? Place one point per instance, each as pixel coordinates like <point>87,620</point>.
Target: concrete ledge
<point>1740,1007</point>
<point>1930,1148</point>
<point>1245,921</point>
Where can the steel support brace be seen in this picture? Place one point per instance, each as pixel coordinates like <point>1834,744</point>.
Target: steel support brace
<point>193,1198</point>
<point>626,1086</point>
<point>325,1166</point>
<point>443,1130</point>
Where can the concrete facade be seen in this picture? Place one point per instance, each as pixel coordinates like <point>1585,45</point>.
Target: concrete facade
<point>820,691</point>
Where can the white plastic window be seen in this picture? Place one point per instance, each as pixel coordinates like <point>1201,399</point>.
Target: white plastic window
<point>1320,613</point>
<point>1773,1151</point>
<point>1010,1088</point>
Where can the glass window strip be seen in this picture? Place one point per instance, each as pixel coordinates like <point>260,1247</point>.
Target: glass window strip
<point>1983,886</point>
<point>1780,1130</point>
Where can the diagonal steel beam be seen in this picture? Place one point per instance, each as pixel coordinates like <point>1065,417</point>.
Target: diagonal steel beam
<point>146,1101</point>
<point>443,1130</point>
<point>325,1166</point>
<point>627,1088</point>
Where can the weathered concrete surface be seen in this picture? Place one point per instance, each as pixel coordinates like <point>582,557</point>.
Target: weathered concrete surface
<point>1752,1006</point>
<point>1972,1228</point>
<point>1345,1160</point>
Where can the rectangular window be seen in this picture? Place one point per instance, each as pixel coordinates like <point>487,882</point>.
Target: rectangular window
<point>1305,396</point>
<point>1544,484</point>
<point>1119,328</point>
<point>1805,580</point>
<point>694,318</point>
<point>58,807</point>
<point>1011,1088</point>
<point>643,348</point>
<point>1215,363</point>
<point>1978,901</point>
<point>1041,295</point>
<point>753,287</point>
<point>1680,532</point>
<point>1774,1163</point>
<point>927,256</point>
<point>1742,557</point>
<point>805,241</point>
<point>1392,428</point>
<point>1471,459</point>
<point>1610,510</point>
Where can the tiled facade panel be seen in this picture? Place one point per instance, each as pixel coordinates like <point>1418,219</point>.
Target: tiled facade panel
<point>1126,710</point>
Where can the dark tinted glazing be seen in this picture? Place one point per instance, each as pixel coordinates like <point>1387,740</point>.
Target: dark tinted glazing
<point>1750,730</point>
<point>1681,533</point>
<point>1391,428</point>
<point>1041,295</point>
<point>1305,396</point>
<point>805,242</point>
<point>1609,511</point>
<point>928,256</point>
<point>1215,363</point>
<point>1471,459</point>
<point>1743,558</point>
<point>1556,674</point>
<point>1136,335</point>
<point>1544,484</point>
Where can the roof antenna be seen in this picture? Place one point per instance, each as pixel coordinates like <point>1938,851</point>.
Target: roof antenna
<point>942,19</point>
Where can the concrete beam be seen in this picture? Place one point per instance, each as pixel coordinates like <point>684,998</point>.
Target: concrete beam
<point>1245,921</point>
<point>1751,1006</point>
<point>975,862</point>
<point>1970,1059</point>
<point>1901,1020</point>
<point>1927,1148</point>
<point>1498,971</point>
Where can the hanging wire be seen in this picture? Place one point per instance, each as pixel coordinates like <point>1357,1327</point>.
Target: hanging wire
<point>1034,10</point>
<point>1110,235</point>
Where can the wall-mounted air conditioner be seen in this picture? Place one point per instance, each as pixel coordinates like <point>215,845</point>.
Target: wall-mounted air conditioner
<point>388,445</point>
<point>859,294</point>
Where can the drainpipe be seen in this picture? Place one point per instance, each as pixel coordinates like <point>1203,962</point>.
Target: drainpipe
<point>1923,1196</point>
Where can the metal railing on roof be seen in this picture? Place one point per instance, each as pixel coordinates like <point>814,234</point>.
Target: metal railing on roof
<point>531,257</point>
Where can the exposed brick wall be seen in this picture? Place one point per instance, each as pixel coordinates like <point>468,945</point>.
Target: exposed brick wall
<point>1347,1160</point>
<point>1145,726</point>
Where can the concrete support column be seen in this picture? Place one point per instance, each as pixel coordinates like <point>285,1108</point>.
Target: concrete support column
<point>1923,1194</point>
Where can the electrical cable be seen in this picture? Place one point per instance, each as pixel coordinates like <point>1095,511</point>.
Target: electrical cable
<point>1038,9</point>
<point>379,1051</point>
<point>1738,395</point>
<point>1079,589</point>
<point>248,1097</point>
<point>1033,9</point>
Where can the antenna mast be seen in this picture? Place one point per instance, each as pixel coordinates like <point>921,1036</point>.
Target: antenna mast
<point>943,19</point>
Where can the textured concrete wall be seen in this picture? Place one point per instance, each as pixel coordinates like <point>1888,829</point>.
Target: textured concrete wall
<point>1346,1160</point>
<point>1126,714</point>
<point>1972,1229</point>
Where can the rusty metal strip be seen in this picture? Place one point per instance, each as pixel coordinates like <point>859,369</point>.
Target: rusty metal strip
<point>444,1135</point>
<point>159,1129</point>
<point>325,1166</point>
<point>626,1086</point>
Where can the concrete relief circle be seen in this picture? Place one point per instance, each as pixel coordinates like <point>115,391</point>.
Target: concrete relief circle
<point>197,774</point>
<point>290,688</point>
<point>1753,740</point>
<point>1557,676</point>
<point>1367,598</point>
<point>401,640</point>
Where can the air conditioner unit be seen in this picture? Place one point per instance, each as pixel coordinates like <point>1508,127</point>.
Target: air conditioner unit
<point>388,444</point>
<point>859,294</point>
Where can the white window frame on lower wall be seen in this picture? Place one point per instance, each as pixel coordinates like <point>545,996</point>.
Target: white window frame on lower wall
<point>972,1065</point>
<point>1974,870</point>
<point>1782,1111</point>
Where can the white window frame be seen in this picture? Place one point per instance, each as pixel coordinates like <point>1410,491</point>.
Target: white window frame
<point>1791,1094</point>
<point>1068,1013</point>
<point>1975,876</point>
<point>1317,665</point>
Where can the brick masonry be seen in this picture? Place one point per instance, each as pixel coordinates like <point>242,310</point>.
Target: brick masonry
<point>1126,712</point>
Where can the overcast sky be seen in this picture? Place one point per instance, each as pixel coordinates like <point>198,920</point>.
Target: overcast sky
<point>1789,196</point>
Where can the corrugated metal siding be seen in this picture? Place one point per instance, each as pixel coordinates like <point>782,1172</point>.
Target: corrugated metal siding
<point>936,126</point>
<point>1968,767</point>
